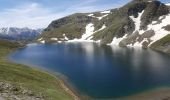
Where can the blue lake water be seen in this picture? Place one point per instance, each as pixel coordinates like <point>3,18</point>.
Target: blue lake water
<point>100,71</point>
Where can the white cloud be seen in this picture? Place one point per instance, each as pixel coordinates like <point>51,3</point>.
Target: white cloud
<point>31,15</point>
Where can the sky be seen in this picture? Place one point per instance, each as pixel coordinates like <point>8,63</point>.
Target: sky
<point>39,13</point>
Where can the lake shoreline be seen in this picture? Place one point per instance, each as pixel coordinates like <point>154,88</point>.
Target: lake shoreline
<point>65,85</point>
<point>161,92</point>
<point>63,81</point>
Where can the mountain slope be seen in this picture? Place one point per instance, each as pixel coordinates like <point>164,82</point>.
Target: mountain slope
<point>72,26</point>
<point>139,23</point>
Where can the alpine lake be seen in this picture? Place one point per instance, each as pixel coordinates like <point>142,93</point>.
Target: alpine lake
<point>99,71</point>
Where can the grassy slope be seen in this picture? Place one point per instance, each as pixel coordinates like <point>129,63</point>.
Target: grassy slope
<point>162,45</point>
<point>72,26</point>
<point>34,80</point>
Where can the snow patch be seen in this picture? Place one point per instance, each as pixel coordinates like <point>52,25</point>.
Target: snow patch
<point>154,22</point>
<point>99,18</point>
<point>138,44</point>
<point>91,15</point>
<point>137,22</point>
<point>86,36</point>
<point>102,28</point>
<point>159,31</point>
<point>116,41</point>
<point>65,37</point>
<point>59,41</point>
<point>161,17</point>
<point>54,39</point>
<point>40,39</point>
<point>89,31</point>
<point>43,41</point>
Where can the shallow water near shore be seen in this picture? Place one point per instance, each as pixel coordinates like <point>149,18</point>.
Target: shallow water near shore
<point>100,71</point>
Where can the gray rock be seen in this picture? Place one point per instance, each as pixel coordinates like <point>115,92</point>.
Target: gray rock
<point>12,92</point>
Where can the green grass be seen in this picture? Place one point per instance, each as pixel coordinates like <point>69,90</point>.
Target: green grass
<point>72,26</point>
<point>37,81</point>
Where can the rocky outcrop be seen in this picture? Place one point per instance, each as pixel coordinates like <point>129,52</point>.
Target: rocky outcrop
<point>136,6</point>
<point>143,39</point>
<point>153,11</point>
<point>13,92</point>
<point>131,39</point>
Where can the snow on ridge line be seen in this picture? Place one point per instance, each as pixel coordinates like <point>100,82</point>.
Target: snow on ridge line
<point>105,12</point>
<point>99,18</point>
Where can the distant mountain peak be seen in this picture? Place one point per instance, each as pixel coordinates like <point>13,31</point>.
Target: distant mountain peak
<point>14,33</point>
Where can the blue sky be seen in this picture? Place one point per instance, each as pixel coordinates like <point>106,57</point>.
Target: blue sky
<point>39,13</point>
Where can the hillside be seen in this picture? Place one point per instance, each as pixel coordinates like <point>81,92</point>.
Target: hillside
<point>19,82</point>
<point>139,23</point>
